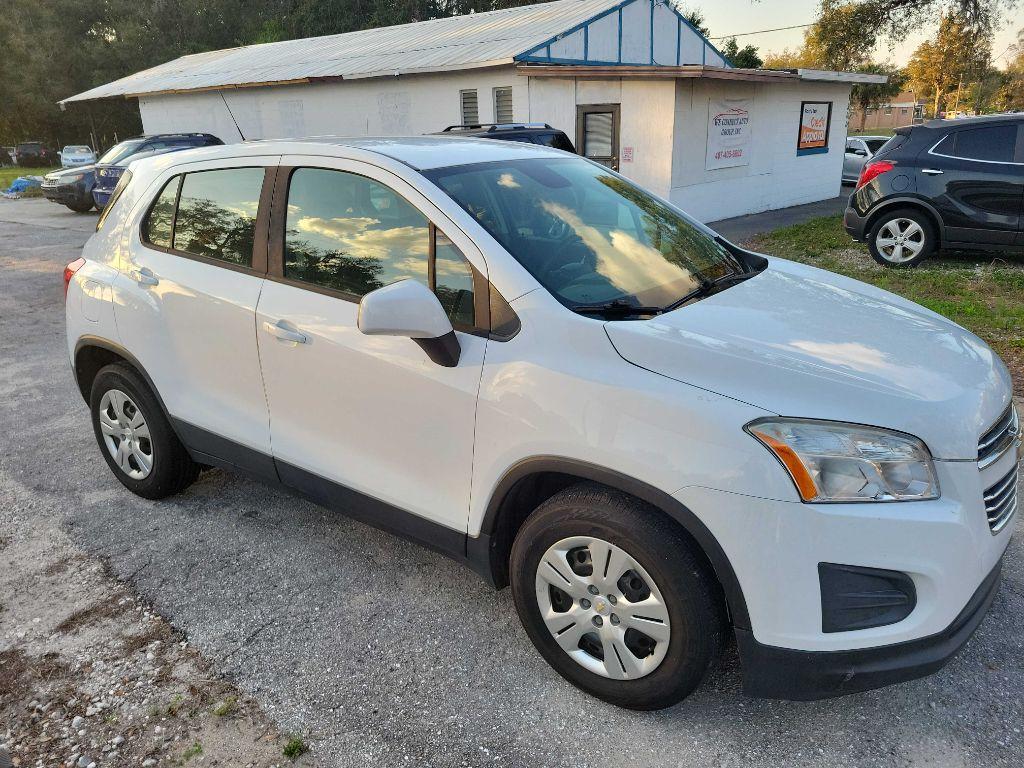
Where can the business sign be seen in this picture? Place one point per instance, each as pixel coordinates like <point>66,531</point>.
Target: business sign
<point>815,120</point>
<point>728,133</point>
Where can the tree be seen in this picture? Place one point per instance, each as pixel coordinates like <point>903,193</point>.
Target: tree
<point>956,54</point>
<point>745,57</point>
<point>872,95</point>
<point>695,17</point>
<point>1011,91</point>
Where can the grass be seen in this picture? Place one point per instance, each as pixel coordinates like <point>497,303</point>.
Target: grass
<point>294,748</point>
<point>984,292</point>
<point>7,175</point>
<point>226,707</point>
<point>194,751</point>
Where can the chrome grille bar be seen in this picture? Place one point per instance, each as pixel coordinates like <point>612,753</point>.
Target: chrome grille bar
<point>1000,437</point>
<point>1001,501</point>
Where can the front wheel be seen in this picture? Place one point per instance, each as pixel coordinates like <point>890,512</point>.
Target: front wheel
<point>902,238</point>
<point>614,597</point>
<point>80,207</point>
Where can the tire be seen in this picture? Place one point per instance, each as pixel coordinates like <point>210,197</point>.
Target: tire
<point>80,207</point>
<point>132,430</point>
<point>662,554</point>
<point>913,225</point>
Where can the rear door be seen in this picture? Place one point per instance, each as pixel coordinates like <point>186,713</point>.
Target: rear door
<point>597,133</point>
<point>193,266</point>
<point>974,178</point>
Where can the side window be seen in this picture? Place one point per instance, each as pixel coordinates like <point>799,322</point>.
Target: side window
<point>217,214</point>
<point>352,234</point>
<point>156,227</point>
<point>995,143</point>
<point>453,281</point>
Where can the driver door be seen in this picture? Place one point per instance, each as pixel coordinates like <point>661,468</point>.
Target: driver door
<point>368,422</point>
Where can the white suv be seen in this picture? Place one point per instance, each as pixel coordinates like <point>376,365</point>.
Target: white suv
<point>517,357</point>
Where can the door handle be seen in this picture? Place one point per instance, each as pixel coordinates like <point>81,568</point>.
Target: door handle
<point>931,171</point>
<point>145,277</point>
<point>283,333</point>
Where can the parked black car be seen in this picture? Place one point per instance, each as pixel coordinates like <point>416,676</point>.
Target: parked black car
<point>529,133</point>
<point>71,187</point>
<point>34,154</point>
<point>955,184</point>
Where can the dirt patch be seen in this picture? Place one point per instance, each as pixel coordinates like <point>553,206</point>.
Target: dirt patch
<point>91,675</point>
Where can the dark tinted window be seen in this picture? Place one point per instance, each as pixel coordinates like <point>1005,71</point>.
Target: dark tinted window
<point>156,227</point>
<point>994,143</point>
<point>875,144</point>
<point>351,234</point>
<point>556,140</point>
<point>217,214</point>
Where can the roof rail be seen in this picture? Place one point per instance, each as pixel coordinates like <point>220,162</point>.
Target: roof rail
<point>495,126</point>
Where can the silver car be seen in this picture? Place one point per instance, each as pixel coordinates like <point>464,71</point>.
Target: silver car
<point>858,150</point>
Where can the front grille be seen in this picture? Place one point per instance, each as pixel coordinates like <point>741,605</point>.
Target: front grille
<point>1000,438</point>
<point>1001,501</point>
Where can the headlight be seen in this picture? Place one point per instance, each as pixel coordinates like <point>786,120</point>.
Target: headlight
<point>835,462</point>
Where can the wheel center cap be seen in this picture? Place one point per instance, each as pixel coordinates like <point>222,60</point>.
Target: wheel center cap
<point>602,606</point>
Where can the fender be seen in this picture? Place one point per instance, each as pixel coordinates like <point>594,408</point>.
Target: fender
<point>917,202</point>
<point>657,498</point>
<point>117,349</point>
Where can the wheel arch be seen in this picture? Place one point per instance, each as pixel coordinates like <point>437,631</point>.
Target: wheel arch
<point>93,353</point>
<point>906,202</point>
<point>532,481</point>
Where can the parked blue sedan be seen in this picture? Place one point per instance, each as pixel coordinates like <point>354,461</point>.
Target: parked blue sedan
<point>113,163</point>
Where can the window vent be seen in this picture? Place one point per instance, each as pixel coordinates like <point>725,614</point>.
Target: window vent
<point>503,105</point>
<point>469,107</point>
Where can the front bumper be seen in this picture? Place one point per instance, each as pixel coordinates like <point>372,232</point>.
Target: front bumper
<point>101,197</point>
<point>67,194</point>
<point>775,547</point>
<point>781,673</point>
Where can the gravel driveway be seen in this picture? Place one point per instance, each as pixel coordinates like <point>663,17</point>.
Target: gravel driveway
<point>383,653</point>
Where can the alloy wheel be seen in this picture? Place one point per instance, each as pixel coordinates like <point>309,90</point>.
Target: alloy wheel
<point>900,240</point>
<point>602,608</point>
<point>126,434</point>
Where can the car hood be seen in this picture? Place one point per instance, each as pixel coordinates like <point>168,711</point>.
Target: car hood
<point>58,175</point>
<point>800,341</point>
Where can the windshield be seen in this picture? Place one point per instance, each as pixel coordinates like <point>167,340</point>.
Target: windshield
<point>119,152</point>
<point>76,150</point>
<point>586,235</point>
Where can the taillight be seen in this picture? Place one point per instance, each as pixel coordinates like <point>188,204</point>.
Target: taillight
<point>69,272</point>
<point>871,170</point>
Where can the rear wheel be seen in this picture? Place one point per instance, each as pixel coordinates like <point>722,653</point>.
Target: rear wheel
<point>135,436</point>
<point>901,238</point>
<point>615,598</point>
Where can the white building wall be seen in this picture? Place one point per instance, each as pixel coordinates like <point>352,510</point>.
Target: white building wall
<point>776,176</point>
<point>403,106</point>
<point>663,130</point>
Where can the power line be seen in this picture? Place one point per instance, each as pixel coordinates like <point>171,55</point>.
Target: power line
<point>760,31</point>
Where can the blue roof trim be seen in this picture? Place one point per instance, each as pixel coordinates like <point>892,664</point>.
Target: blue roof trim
<point>535,53</point>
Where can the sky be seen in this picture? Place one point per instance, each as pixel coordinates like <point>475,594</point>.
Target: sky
<point>727,17</point>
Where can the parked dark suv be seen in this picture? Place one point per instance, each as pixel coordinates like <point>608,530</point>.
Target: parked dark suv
<point>112,165</point>
<point>956,184</point>
<point>528,133</point>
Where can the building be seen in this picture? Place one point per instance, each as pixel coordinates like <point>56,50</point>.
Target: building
<point>905,109</point>
<point>631,81</point>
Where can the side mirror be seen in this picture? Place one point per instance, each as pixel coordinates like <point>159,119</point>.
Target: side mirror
<point>410,309</point>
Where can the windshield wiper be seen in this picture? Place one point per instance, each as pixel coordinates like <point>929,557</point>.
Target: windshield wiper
<point>708,287</point>
<point>616,307</point>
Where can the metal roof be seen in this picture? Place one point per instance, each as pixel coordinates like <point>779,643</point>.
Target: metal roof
<point>459,42</point>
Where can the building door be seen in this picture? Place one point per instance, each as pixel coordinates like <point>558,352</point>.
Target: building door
<point>597,133</point>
